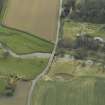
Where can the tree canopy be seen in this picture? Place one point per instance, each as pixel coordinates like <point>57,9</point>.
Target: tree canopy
<point>87,10</point>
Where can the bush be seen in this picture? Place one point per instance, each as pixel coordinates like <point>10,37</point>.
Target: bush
<point>5,55</point>
<point>80,54</point>
<point>9,92</point>
<point>65,43</point>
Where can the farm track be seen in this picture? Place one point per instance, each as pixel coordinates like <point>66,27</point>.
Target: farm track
<point>34,82</point>
<point>24,56</point>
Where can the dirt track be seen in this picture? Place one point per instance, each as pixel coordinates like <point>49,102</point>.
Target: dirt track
<point>38,17</point>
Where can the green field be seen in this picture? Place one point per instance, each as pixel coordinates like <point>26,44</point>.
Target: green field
<point>2,85</point>
<point>21,42</point>
<point>24,68</point>
<point>68,83</point>
<point>75,68</point>
<point>79,91</point>
<point>71,29</point>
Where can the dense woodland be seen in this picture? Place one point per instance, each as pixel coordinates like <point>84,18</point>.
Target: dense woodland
<point>86,10</point>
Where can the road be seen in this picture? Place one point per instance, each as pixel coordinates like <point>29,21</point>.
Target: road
<point>34,82</point>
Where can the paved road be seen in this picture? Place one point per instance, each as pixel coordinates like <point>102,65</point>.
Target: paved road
<point>34,82</point>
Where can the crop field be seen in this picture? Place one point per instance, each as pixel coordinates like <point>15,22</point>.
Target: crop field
<point>79,91</point>
<point>20,95</point>
<point>68,83</point>
<point>23,68</point>
<point>38,17</point>
<point>21,42</point>
<point>72,28</point>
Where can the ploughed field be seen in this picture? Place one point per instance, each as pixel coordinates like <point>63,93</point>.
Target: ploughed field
<point>38,17</point>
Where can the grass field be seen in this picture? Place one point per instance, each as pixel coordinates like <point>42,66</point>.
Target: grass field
<point>25,68</point>
<point>85,85</point>
<point>2,85</point>
<point>20,95</point>
<point>79,91</point>
<point>74,68</point>
<point>71,29</point>
<point>35,16</point>
<point>23,43</point>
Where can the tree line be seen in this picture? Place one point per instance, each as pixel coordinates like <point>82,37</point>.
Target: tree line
<point>86,10</point>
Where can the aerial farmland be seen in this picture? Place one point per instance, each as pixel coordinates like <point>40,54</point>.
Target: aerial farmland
<point>38,17</point>
<point>28,31</point>
<point>52,52</point>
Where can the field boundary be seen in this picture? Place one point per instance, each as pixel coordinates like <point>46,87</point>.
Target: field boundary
<point>34,36</point>
<point>3,14</point>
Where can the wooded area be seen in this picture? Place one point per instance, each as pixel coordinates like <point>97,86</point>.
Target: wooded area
<point>86,10</point>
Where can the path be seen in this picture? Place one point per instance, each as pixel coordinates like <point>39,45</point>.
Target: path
<point>24,56</point>
<point>34,82</point>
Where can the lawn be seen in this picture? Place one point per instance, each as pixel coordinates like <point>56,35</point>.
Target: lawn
<point>2,85</point>
<point>71,29</point>
<point>21,42</point>
<point>25,68</point>
<point>79,91</point>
